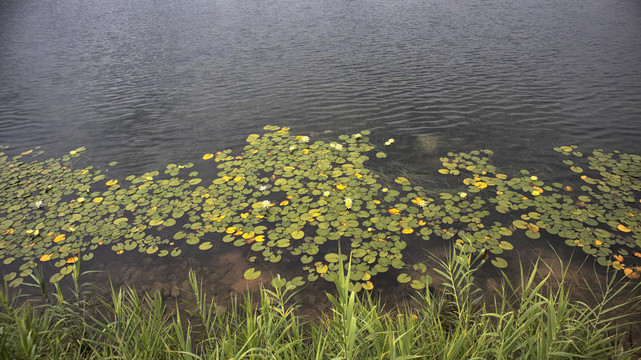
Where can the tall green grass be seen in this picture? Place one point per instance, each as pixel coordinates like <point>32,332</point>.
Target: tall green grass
<point>534,318</point>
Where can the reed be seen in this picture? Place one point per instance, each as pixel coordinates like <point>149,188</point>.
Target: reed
<point>534,318</point>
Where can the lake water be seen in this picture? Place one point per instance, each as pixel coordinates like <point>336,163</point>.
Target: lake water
<point>149,83</point>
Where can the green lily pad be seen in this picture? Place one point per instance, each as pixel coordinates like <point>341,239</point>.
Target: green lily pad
<point>417,284</point>
<point>403,278</point>
<point>499,262</point>
<point>251,274</point>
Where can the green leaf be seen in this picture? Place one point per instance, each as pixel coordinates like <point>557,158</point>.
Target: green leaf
<point>251,274</point>
<point>403,278</point>
<point>499,262</point>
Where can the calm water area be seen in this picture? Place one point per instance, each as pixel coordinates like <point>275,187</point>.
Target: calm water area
<point>147,83</point>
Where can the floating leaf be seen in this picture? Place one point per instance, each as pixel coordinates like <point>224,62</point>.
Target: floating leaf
<point>499,262</point>
<point>623,228</point>
<point>332,257</point>
<point>251,274</point>
<point>403,278</point>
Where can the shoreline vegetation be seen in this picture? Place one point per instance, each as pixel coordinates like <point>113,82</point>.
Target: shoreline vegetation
<point>534,318</point>
<point>317,205</point>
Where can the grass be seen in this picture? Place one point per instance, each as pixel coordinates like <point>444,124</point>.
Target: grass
<point>532,319</point>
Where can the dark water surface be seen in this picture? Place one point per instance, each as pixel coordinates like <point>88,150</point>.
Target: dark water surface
<point>148,83</point>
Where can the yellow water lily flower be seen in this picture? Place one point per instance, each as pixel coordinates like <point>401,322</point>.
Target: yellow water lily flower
<point>321,268</point>
<point>45,257</point>
<point>98,199</point>
<point>394,211</point>
<point>420,202</point>
<point>341,187</point>
<point>208,156</point>
<point>111,182</point>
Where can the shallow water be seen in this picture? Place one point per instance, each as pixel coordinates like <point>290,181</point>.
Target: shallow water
<point>147,84</point>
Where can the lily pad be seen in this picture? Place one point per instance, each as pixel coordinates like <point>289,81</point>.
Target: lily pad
<point>251,274</point>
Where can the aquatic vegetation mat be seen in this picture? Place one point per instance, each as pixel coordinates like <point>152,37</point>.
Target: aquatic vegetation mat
<point>314,202</point>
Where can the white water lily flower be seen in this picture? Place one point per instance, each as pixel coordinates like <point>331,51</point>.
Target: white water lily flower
<point>303,139</point>
<point>326,193</point>
<point>38,204</point>
<point>262,188</point>
<point>348,203</point>
<point>534,178</point>
<point>462,195</point>
<point>292,148</point>
<point>266,204</point>
<point>385,189</point>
